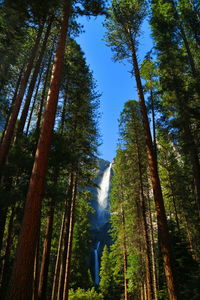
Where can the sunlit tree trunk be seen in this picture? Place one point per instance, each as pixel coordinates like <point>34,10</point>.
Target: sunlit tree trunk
<point>21,285</point>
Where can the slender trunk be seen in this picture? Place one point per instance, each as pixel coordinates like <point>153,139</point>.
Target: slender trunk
<point>36,272</point>
<point>44,91</point>
<point>173,200</point>
<point>21,286</point>
<point>34,79</point>
<point>126,296</point>
<point>158,198</point>
<point>153,252</point>
<point>70,239</point>
<point>34,101</point>
<point>46,253</point>
<point>154,124</point>
<point>13,99</point>
<point>6,264</point>
<point>8,135</point>
<point>4,212</point>
<point>65,240</point>
<point>58,261</point>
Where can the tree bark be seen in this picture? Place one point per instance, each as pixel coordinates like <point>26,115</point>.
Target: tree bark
<point>21,280</point>
<point>42,290</point>
<point>58,261</point>
<point>126,296</point>
<point>39,118</point>
<point>34,101</point>
<point>70,239</point>
<point>158,198</point>
<point>65,239</point>
<point>5,269</point>
<point>34,79</point>
<point>8,135</point>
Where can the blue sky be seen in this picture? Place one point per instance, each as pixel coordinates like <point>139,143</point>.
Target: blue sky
<point>113,79</point>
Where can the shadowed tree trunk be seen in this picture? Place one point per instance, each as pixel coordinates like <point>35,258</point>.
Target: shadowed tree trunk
<point>21,280</point>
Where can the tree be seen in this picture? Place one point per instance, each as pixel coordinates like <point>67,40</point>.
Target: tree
<point>122,28</point>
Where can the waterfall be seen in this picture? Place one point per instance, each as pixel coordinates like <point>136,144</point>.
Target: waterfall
<point>96,264</point>
<point>102,198</point>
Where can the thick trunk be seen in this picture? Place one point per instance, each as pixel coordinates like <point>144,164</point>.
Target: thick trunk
<point>46,253</point>
<point>21,281</point>
<point>70,239</point>
<point>158,198</point>
<point>9,132</point>
<point>33,80</point>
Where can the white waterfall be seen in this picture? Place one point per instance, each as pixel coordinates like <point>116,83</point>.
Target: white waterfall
<point>96,265</point>
<point>102,199</point>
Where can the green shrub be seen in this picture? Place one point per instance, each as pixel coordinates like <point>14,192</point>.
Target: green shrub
<point>81,294</point>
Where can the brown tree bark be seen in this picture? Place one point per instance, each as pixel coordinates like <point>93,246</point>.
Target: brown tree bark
<point>9,132</point>
<point>42,290</point>
<point>149,279</point>
<point>158,198</point>
<point>126,296</point>
<point>70,239</point>
<point>65,239</point>
<point>21,280</point>
<point>34,101</point>
<point>39,118</point>
<point>5,271</point>
<point>58,261</point>
<point>34,79</point>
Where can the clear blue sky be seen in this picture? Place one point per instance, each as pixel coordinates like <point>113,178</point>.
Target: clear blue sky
<point>114,80</point>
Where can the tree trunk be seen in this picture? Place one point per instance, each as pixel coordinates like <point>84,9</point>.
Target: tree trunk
<point>36,272</point>
<point>34,101</point>
<point>144,224</point>
<point>70,239</point>
<point>46,253</point>
<point>13,99</point>
<point>158,198</point>
<point>58,261</point>
<point>126,296</point>
<point>65,239</point>
<point>5,269</point>
<point>44,90</point>
<point>8,135</point>
<point>21,281</point>
<point>153,254</point>
<point>34,79</point>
